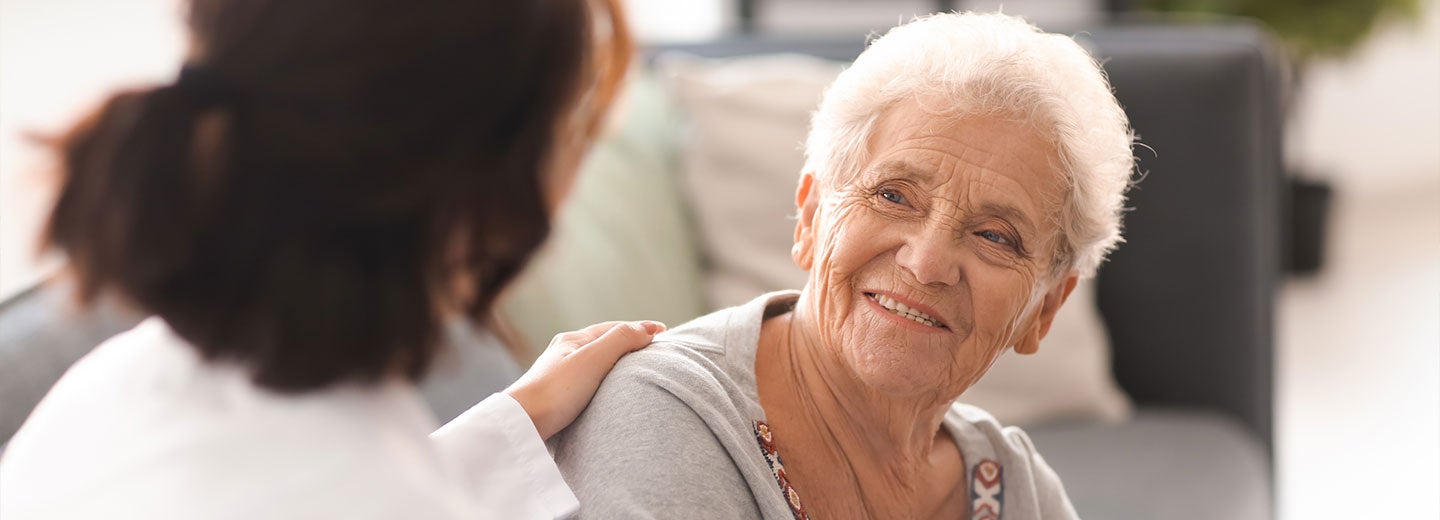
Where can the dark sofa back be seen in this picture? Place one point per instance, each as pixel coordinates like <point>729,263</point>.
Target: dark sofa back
<point>1189,298</point>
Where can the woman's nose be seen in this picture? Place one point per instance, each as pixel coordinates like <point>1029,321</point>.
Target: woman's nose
<point>932,257</point>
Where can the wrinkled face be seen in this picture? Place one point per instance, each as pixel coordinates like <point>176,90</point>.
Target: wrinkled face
<point>935,257</point>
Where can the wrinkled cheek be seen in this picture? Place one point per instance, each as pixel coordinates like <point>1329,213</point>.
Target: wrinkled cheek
<point>832,247</point>
<point>832,272</point>
<point>1001,322</point>
<point>827,284</point>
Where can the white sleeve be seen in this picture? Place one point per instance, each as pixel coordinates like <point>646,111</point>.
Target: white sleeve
<point>506,466</point>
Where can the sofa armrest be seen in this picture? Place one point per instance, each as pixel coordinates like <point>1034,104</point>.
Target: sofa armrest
<point>42,332</point>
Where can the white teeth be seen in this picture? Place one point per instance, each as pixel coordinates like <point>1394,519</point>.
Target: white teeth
<point>905,311</point>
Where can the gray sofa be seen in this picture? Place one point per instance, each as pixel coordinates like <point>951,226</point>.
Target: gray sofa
<point>1188,300</point>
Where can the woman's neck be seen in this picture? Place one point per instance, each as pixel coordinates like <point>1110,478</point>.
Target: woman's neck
<point>848,447</point>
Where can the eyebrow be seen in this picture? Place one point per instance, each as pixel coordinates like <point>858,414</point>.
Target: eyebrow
<point>907,170</point>
<point>904,169</point>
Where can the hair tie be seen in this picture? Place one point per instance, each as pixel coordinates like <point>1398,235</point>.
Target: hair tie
<point>204,87</point>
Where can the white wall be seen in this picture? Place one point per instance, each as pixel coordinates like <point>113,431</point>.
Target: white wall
<point>1371,122</point>
<point>678,20</point>
<point>57,59</point>
<point>1358,358</point>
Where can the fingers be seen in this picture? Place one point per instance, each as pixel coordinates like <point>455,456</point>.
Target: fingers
<point>594,331</point>
<point>582,337</point>
<point>578,338</point>
<point>625,338</point>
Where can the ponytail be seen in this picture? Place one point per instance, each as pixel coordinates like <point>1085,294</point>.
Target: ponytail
<point>127,208</point>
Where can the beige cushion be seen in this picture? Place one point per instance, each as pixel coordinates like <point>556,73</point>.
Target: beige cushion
<point>744,121</point>
<point>741,157</point>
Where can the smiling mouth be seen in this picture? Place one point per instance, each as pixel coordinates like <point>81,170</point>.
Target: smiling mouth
<point>904,311</point>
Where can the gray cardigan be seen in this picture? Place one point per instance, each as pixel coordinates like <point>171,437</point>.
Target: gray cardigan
<point>672,433</point>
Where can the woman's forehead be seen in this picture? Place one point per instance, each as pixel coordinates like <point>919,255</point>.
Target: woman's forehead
<point>986,160</point>
<point>984,139</point>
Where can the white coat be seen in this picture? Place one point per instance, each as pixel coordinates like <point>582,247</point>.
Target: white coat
<point>144,428</point>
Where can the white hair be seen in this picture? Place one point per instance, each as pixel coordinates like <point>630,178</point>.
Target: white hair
<point>1001,65</point>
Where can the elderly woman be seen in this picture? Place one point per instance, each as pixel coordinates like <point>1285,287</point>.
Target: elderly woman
<point>962,175</point>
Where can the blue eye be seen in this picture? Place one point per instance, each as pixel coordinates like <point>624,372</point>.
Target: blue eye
<point>894,197</point>
<point>993,237</point>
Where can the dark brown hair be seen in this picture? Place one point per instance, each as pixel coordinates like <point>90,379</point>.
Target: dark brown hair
<point>330,179</point>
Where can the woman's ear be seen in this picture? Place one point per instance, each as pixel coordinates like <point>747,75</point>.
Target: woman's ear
<point>806,201</point>
<point>1030,341</point>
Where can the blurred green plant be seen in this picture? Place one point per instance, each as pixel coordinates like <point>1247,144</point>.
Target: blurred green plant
<point>1309,28</point>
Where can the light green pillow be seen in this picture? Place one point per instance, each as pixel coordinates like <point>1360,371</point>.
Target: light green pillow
<point>622,247</point>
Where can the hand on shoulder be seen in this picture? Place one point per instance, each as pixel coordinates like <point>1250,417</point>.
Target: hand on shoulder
<point>564,378</point>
